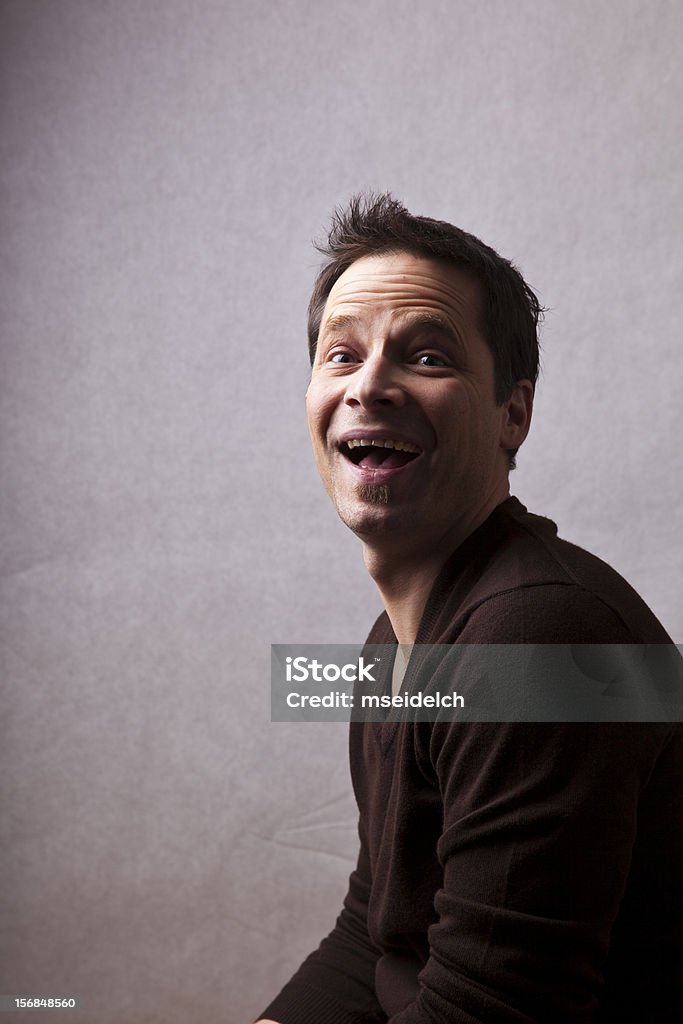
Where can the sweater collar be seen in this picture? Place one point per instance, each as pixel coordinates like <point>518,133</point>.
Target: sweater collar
<point>473,552</point>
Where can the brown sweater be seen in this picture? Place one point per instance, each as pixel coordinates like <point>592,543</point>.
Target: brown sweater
<point>510,872</point>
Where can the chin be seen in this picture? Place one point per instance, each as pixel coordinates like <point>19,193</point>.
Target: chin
<point>371,516</point>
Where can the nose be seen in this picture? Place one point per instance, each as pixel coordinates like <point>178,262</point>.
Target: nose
<point>375,383</point>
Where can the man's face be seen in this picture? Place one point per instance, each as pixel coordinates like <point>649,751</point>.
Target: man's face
<point>401,404</point>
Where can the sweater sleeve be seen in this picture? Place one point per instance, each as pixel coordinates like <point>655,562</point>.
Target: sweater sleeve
<point>537,843</point>
<point>545,831</point>
<point>336,983</point>
<point>549,831</point>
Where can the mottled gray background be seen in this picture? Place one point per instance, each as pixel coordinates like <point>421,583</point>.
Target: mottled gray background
<point>168,854</point>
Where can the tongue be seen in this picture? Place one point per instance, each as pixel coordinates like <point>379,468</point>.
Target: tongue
<point>387,458</point>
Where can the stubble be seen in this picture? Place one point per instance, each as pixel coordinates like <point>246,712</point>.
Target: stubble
<point>375,494</point>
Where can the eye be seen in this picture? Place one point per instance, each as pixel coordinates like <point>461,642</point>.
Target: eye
<point>341,357</point>
<point>430,359</point>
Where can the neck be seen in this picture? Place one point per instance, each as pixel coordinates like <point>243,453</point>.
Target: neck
<point>404,572</point>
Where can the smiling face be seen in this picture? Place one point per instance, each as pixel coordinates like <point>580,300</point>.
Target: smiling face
<point>401,406</point>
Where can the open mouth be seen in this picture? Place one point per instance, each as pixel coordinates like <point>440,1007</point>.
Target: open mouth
<point>379,454</point>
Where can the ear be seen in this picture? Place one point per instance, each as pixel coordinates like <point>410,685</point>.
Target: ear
<point>517,412</point>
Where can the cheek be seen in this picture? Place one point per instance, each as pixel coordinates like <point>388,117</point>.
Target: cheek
<point>318,412</point>
<point>456,419</point>
<point>467,425</point>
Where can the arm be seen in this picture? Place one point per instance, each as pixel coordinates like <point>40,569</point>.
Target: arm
<point>336,983</point>
<point>537,843</point>
<point>560,850</point>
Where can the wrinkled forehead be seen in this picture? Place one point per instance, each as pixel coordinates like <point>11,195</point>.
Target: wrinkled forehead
<point>400,282</point>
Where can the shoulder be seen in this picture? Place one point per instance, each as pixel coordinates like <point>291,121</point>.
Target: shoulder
<point>546,613</point>
<point>538,588</point>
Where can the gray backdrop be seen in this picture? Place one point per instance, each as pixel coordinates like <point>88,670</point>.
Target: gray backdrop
<point>168,854</point>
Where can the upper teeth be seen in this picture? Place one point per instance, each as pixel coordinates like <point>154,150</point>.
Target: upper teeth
<point>400,446</point>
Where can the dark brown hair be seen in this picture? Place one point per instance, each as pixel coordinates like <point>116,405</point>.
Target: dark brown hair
<point>510,312</point>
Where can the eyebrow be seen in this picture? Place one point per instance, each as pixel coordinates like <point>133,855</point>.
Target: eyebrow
<point>339,323</point>
<point>403,320</point>
<point>407,320</point>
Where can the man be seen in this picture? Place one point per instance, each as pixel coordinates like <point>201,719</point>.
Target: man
<point>508,872</point>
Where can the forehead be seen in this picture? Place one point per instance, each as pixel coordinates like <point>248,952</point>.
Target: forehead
<point>398,283</point>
